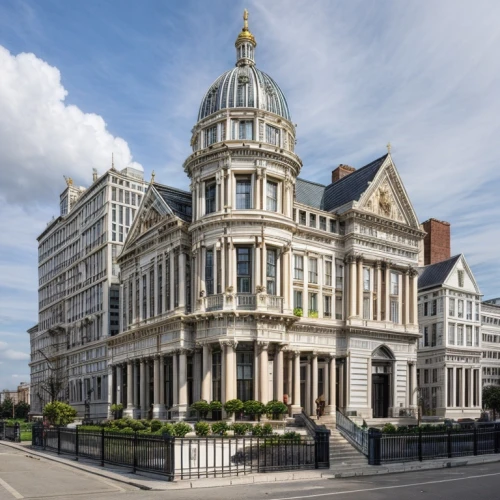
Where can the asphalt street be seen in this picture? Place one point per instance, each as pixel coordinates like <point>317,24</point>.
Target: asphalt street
<point>22,476</point>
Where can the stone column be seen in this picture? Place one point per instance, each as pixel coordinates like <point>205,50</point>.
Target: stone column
<point>129,411</point>
<point>305,291</point>
<point>454,402</point>
<point>414,298</point>
<point>369,402</point>
<point>175,379</point>
<point>148,385</point>
<point>172,282</point>
<point>264,263</point>
<point>223,266</point>
<point>308,406</point>
<point>142,381</point>
<point>264,372</point>
<point>359,271</point>
<point>406,319</point>
<point>352,287</point>
<point>230,370</point>
<point>278,362</point>
<point>314,381</point>
<point>182,407</point>
<point>257,266</point>
<point>379,291</point>
<point>182,279</point>
<point>206,380</point>
<point>387,300</point>
<point>156,388</point>
<point>110,390</point>
<point>135,368</point>
<point>342,402</point>
<point>162,383</point>
<point>444,396</point>
<point>286,281</point>
<point>462,387</point>
<point>296,383</point>
<point>119,384</point>
<point>331,409</point>
<point>289,384</point>
<point>197,374</point>
<point>395,384</point>
<point>414,395</point>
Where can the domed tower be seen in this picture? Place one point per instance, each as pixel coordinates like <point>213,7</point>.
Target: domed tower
<point>243,170</point>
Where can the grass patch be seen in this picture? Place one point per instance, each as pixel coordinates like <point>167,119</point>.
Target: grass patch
<point>26,436</point>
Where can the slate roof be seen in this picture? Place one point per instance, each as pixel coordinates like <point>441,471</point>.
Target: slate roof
<point>336,194</point>
<point>178,200</point>
<point>436,274</point>
<point>351,187</point>
<point>309,193</point>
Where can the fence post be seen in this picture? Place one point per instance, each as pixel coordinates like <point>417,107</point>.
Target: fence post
<point>102,447</point>
<point>420,444</point>
<point>449,444</point>
<point>475,440</point>
<point>58,440</point>
<point>374,442</point>
<point>76,443</point>
<point>17,432</point>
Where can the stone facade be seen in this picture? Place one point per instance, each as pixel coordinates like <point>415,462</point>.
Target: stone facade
<point>490,330</point>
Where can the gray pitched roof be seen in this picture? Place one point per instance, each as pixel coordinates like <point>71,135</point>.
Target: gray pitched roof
<point>436,274</point>
<point>351,187</point>
<point>309,193</point>
<point>178,200</point>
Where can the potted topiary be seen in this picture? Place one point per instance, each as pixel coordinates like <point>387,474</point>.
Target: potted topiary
<point>201,407</point>
<point>276,409</point>
<point>216,409</point>
<point>298,312</point>
<point>254,409</point>
<point>233,406</point>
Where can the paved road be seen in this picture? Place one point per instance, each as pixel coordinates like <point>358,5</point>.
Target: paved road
<point>24,477</point>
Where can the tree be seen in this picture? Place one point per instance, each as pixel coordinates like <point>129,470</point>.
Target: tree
<point>491,398</point>
<point>6,408</point>
<point>22,410</point>
<point>58,413</point>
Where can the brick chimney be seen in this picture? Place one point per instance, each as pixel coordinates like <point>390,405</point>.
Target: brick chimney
<point>342,171</point>
<point>437,241</point>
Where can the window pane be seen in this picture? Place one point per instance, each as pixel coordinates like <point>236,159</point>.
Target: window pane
<point>272,197</point>
<point>210,198</point>
<point>243,194</point>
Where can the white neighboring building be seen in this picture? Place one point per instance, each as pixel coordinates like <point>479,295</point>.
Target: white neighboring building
<point>490,330</point>
<point>449,355</point>
<point>79,290</point>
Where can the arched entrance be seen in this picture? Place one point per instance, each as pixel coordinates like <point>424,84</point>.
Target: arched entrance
<point>382,380</point>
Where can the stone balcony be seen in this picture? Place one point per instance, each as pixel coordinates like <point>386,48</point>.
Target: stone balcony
<point>240,302</point>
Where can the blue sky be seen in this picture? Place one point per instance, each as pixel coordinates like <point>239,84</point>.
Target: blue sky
<point>79,80</point>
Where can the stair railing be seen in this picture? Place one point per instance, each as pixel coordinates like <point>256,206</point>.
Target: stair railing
<point>356,435</point>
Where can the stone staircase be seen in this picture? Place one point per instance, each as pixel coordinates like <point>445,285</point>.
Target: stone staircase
<point>343,455</point>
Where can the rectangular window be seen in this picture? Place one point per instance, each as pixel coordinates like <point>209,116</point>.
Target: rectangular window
<point>426,308</point>
<point>302,217</point>
<point>243,193</point>
<point>394,311</point>
<point>297,299</point>
<point>460,278</point>
<point>452,307</point>
<point>451,334</point>
<point>426,336</point>
<point>272,196</point>
<point>160,289</point>
<point>313,305</point>
<point>313,270</point>
<point>151,293</point>
<point>328,273</point>
<point>327,306</point>
<point>209,271</point>
<point>338,307</point>
<point>434,307</point>
<point>339,274</point>
<point>246,129</point>
<point>394,284</point>
<point>217,376</point>
<point>322,223</point>
<point>244,269</point>
<point>298,267</point>
<point>113,193</point>
<point>312,220</point>
<point>468,335</point>
<point>210,135</point>
<point>272,135</point>
<point>366,279</point>
<point>210,197</point>
<point>460,308</point>
<point>434,335</point>
<point>271,272</point>
<point>460,335</point>
<point>333,226</point>
<point>426,376</point>
<point>144,298</point>
<point>366,308</point>
<point>476,337</point>
<point>168,279</point>
<point>469,309</point>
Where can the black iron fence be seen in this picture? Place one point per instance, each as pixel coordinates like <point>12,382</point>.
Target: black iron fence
<point>10,432</point>
<point>356,435</point>
<point>186,458</point>
<point>427,445</point>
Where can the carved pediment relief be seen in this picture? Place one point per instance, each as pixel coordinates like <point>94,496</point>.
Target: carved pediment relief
<point>149,219</point>
<point>384,202</point>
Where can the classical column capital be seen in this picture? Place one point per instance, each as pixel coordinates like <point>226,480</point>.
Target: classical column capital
<point>262,345</point>
<point>229,343</point>
<point>296,354</point>
<point>378,264</point>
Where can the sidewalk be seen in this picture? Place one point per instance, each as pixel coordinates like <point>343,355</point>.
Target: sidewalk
<point>147,481</point>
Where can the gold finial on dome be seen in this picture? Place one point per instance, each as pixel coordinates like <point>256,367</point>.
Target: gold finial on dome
<point>245,34</point>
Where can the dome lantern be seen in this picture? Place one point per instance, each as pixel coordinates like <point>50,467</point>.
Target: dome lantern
<point>245,44</point>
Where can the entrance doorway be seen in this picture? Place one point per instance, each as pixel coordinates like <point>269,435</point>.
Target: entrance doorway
<point>380,395</point>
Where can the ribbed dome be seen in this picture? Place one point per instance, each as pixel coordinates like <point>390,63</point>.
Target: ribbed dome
<point>244,87</point>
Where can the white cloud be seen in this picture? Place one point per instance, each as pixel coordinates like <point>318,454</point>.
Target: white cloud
<point>7,353</point>
<point>43,138</point>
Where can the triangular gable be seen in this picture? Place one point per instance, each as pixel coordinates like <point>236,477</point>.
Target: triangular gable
<point>469,284</point>
<point>386,196</point>
<point>153,210</point>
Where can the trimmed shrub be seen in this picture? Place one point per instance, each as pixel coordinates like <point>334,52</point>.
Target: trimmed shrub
<point>137,425</point>
<point>215,406</point>
<point>180,429</point>
<point>292,435</point>
<point>156,425</point>
<point>220,428</point>
<point>240,429</point>
<point>233,406</point>
<point>262,430</point>
<point>276,408</point>
<point>252,407</point>
<point>389,428</point>
<point>201,406</point>
<point>167,429</point>
<point>58,413</point>
<point>202,429</point>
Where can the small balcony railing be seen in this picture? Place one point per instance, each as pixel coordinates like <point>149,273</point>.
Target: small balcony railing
<point>215,302</point>
<point>246,301</point>
<point>241,302</point>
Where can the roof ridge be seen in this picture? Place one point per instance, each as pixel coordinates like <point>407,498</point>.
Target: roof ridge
<point>311,182</point>
<point>171,188</point>
<point>358,170</point>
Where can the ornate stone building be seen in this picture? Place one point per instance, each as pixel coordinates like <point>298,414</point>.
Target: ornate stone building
<point>258,284</point>
<point>490,330</point>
